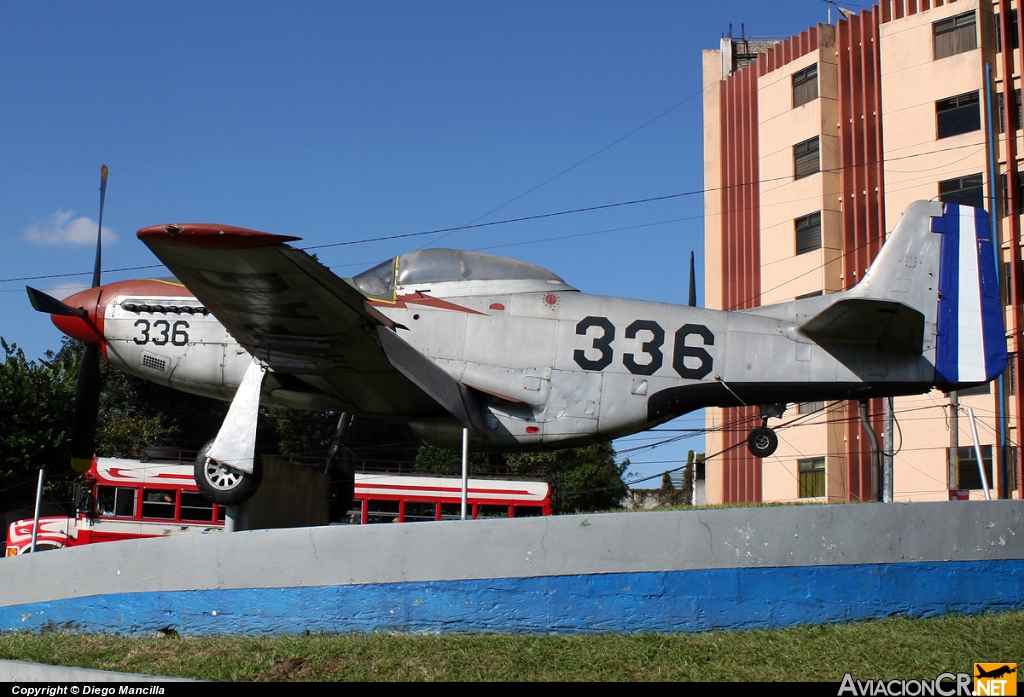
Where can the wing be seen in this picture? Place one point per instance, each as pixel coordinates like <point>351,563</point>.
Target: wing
<point>289,310</point>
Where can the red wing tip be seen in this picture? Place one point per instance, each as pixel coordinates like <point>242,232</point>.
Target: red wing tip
<point>211,236</point>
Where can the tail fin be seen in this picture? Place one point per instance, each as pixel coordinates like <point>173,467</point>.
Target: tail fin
<point>971,338</point>
<point>934,290</point>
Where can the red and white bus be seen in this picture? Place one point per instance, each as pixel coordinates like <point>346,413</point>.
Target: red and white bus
<point>125,500</point>
<point>129,499</point>
<point>392,498</point>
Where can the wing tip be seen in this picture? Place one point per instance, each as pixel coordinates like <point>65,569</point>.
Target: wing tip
<point>210,236</point>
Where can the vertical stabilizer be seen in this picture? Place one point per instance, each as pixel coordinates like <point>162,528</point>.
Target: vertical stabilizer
<point>971,339</point>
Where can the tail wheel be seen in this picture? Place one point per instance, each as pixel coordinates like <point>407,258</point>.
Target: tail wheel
<point>762,442</point>
<point>225,485</point>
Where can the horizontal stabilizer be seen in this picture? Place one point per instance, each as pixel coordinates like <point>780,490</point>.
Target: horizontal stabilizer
<point>881,324</point>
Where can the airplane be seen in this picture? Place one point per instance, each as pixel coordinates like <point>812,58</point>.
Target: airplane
<point>995,672</point>
<point>447,340</point>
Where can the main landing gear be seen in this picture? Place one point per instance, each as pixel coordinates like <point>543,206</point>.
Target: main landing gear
<point>225,485</point>
<point>762,441</point>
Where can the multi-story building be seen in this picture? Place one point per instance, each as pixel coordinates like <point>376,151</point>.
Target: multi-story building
<point>814,146</point>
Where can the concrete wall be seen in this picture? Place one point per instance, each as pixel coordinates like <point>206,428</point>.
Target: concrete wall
<point>627,572</point>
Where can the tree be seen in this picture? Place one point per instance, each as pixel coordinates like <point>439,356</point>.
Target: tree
<point>581,479</point>
<point>36,409</point>
<point>445,461</point>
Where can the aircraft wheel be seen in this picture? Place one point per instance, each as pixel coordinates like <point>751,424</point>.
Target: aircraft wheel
<point>225,485</point>
<point>762,441</point>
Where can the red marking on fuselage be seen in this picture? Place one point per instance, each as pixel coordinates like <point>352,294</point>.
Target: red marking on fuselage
<point>211,236</point>
<point>419,298</point>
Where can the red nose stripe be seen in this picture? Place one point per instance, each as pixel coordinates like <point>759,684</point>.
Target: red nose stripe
<point>210,236</point>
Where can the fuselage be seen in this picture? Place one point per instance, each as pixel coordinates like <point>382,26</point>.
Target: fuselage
<point>555,366</point>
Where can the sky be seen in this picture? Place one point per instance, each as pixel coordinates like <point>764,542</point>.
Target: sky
<point>342,121</point>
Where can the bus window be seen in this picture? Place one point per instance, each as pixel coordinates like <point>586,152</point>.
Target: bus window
<point>492,511</point>
<point>382,511</point>
<point>453,511</point>
<point>158,503</point>
<point>194,506</point>
<point>418,511</point>
<point>527,511</point>
<point>116,502</point>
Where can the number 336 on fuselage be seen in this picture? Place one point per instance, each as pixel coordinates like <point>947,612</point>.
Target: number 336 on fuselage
<point>446,339</point>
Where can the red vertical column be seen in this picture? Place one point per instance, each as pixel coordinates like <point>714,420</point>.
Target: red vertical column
<point>863,207</point>
<point>1014,207</point>
<point>741,257</point>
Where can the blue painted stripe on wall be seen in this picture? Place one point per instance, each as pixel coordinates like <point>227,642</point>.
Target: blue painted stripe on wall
<point>675,601</point>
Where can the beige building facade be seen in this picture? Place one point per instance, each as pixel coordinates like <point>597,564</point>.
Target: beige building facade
<point>814,146</point>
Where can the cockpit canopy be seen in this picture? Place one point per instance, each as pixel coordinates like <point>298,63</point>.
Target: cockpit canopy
<point>447,265</point>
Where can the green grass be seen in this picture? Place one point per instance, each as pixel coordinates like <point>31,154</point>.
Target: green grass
<point>891,649</point>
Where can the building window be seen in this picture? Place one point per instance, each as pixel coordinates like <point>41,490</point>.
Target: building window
<point>956,115</point>
<point>812,477</point>
<point>805,86</point>
<point>967,476</point>
<point>955,35</point>
<point>805,158</point>
<point>1005,204</point>
<point>965,191</point>
<point>976,391</point>
<point>808,233</point>
<point>809,407</point>
<point>1001,101</point>
<point>1014,37</point>
<point>1008,281</point>
<point>1007,284</point>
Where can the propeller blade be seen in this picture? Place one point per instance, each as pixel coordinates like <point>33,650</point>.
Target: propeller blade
<point>99,232</point>
<point>87,394</point>
<point>693,285</point>
<point>51,306</point>
<point>87,405</point>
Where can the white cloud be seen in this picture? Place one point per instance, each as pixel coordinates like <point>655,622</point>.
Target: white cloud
<point>62,228</point>
<point>65,290</point>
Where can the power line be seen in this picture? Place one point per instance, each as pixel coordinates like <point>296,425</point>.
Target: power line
<point>540,216</point>
<point>583,161</point>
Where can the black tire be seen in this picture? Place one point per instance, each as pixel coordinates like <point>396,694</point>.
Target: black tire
<point>762,442</point>
<point>225,485</point>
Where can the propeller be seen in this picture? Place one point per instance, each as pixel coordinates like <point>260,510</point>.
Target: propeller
<point>81,325</point>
